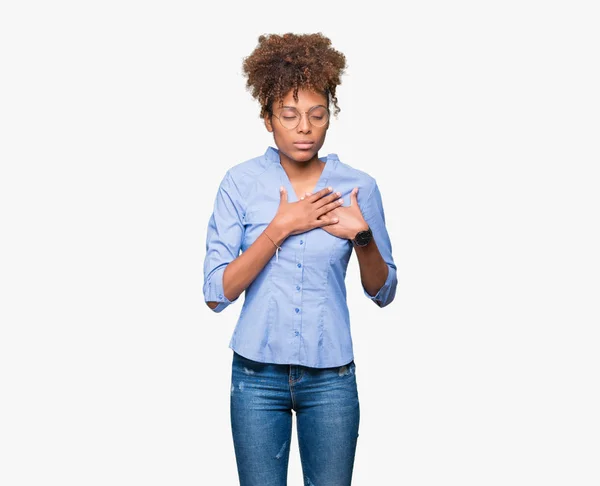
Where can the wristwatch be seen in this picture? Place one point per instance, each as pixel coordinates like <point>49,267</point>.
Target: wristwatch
<point>363,238</point>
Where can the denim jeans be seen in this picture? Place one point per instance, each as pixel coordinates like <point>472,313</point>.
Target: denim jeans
<point>325,400</point>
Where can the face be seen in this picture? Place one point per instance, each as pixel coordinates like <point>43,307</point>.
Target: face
<point>287,139</point>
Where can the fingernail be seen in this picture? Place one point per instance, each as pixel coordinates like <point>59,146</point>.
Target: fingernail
<point>330,188</point>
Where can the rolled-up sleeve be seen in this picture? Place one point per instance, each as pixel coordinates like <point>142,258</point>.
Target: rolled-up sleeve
<point>223,240</point>
<point>375,217</point>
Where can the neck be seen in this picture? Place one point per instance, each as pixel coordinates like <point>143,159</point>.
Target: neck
<point>301,170</point>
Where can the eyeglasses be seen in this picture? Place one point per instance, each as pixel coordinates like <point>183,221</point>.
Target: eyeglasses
<point>318,116</point>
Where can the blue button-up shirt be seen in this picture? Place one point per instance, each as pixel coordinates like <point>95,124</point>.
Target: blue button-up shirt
<point>295,310</point>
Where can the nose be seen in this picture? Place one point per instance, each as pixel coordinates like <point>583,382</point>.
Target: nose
<point>304,125</point>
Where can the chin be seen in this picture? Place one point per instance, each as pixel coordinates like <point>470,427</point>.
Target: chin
<point>303,154</point>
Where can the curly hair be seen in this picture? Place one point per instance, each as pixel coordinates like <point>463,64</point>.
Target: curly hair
<point>292,61</point>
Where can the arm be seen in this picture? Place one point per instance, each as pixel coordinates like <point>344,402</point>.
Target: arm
<point>377,268</point>
<point>373,269</point>
<point>242,271</point>
<point>226,272</point>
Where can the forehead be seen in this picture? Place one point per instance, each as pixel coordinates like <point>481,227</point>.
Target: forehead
<point>306,99</point>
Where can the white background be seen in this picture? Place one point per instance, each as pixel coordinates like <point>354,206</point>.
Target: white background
<point>480,122</point>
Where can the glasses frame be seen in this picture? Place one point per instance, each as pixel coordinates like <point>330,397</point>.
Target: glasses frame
<point>307,113</point>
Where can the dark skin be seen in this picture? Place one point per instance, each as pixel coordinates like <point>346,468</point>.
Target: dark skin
<point>303,166</point>
<point>319,210</point>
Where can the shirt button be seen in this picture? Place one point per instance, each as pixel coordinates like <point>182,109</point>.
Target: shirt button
<point>220,296</point>
<point>297,333</point>
<point>301,241</point>
<point>299,265</point>
<point>297,287</point>
<point>297,310</point>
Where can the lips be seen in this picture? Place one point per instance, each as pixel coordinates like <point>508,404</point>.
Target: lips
<point>304,144</point>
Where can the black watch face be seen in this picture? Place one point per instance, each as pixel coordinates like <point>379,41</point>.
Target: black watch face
<point>363,238</point>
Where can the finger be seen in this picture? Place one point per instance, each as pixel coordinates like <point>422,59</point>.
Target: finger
<point>320,194</point>
<point>331,206</point>
<point>282,194</point>
<point>324,221</point>
<point>334,197</point>
<point>353,197</point>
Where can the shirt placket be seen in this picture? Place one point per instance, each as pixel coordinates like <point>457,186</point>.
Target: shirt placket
<point>298,275</point>
<point>298,288</point>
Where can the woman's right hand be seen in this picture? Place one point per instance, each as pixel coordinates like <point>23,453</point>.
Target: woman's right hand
<point>303,215</point>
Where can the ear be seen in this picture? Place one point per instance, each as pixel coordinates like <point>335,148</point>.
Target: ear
<point>268,123</point>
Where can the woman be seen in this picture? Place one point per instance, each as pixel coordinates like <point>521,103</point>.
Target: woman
<point>286,210</point>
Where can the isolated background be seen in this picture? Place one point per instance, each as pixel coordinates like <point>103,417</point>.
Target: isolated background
<point>480,122</point>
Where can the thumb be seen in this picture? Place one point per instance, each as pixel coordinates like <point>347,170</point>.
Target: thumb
<point>282,194</point>
<point>353,197</point>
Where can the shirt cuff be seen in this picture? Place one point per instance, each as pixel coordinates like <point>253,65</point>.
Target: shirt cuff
<point>213,290</point>
<point>387,291</point>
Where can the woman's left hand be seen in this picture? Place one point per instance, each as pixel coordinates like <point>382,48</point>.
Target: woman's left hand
<point>350,219</point>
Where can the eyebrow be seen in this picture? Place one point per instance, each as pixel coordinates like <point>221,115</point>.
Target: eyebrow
<point>286,106</point>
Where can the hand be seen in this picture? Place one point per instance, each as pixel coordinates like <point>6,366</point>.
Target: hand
<point>350,219</point>
<point>307,213</point>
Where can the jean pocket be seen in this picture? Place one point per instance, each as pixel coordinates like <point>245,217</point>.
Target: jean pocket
<point>248,366</point>
<point>347,369</point>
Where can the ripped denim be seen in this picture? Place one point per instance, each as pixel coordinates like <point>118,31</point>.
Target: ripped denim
<point>326,404</point>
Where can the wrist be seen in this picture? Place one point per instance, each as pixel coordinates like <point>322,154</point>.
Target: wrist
<point>358,229</point>
<point>363,238</point>
<point>277,232</point>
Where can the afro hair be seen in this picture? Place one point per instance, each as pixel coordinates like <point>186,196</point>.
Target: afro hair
<point>281,63</point>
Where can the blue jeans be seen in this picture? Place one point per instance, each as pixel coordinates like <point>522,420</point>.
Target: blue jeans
<point>325,400</point>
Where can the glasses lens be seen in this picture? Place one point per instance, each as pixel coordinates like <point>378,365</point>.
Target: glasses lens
<point>318,116</point>
<point>289,118</point>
